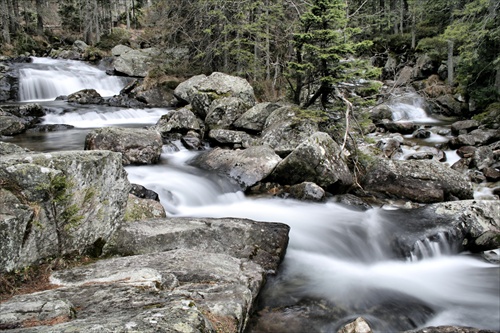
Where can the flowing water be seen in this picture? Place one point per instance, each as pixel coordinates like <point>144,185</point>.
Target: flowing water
<point>339,259</point>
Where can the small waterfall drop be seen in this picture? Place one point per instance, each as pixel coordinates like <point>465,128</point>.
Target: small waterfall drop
<point>410,107</point>
<point>45,79</point>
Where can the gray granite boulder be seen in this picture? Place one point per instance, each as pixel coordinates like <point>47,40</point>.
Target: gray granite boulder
<point>246,167</point>
<point>53,204</point>
<point>319,160</point>
<point>424,181</point>
<point>137,145</point>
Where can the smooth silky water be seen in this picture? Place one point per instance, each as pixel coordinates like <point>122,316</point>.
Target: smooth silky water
<point>335,254</point>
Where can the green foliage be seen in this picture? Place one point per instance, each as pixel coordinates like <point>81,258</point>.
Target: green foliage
<point>69,13</point>
<point>434,47</point>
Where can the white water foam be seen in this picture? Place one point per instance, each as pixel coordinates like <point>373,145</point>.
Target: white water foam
<point>45,79</point>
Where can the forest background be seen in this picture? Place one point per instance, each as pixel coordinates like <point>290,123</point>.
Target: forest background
<point>283,47</point>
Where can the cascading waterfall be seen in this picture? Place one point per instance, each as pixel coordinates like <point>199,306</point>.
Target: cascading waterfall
<point>335,253</point>
<point>410,107</point>
<point>45,79</point>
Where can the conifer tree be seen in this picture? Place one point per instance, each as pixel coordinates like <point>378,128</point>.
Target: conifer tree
<point>322,47</point>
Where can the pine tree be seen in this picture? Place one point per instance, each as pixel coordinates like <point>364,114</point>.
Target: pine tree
<point>322,47</point>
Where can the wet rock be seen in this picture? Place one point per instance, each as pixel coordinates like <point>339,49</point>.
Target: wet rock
<point>306,191</point>
<point>85,96</point>
<point>246,167</point>
<point>402,127</point>
<point>391,147</point>
<point>255,118</point>
<point>50,128</point>
<point>137,146</point>
<point>478,137</point>
<point>11,125</point>
<point>192,141</point>
<point>449,329</point>
<point>448,105</point>
<point>319,160</point>
<point>143,193</point>
<point>381,112</point>
<point>421,134</point>
<point>419,181</point>
<point>89,188</point>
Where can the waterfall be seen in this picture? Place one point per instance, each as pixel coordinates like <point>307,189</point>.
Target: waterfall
<point>410,107</point>
<point>45,79</point>
<point>97,116</point>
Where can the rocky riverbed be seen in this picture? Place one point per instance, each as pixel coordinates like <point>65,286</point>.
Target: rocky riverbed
<point>163,273</point>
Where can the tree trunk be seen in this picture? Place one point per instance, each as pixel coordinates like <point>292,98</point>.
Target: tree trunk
<point>39,15</point>
<point>4,14</point>
<point>450,63</point>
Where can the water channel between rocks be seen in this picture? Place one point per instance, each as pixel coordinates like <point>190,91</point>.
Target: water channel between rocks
<point>338,265</point>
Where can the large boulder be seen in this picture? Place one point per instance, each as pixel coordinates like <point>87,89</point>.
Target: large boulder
<point>134,63</point>
<point>319,160</point>
<point>137,145</point>
<point>11,125</point>
<point>224,111</point>
<point>424,181</point>
<point>200,91</point>
<point>284,130</point>
<point>246,167</point>
<point>58,203</point>
<point>177,123</point>
<point>254,119</point>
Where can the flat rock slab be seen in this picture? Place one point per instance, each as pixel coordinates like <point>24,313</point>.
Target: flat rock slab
<point>174,291</point>
<point>262,242</point>
<point>198,275</point>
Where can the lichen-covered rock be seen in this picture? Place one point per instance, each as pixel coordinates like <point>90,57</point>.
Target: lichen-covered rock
<point>9,148</point>
<point>134,63</point>
<point>143,209</point>
<point>234,139</point>
<point>284,131</point>
<point>255,118</point>
<point>200,91</point>
<point>246,167</point>
<point>224,111</point>
<point>197,275</point>
<point>137,145</point>
<point>180,121</point>
<point>424,181</point>
<point>57,203</point>
<point>319,160</point>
